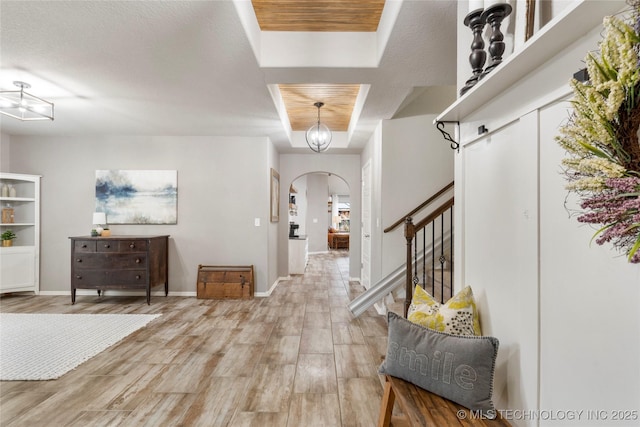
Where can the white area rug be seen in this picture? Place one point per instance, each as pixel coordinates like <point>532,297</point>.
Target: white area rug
<point>46,346</point>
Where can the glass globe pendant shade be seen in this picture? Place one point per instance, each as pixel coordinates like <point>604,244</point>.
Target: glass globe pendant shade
<point>318,137</point>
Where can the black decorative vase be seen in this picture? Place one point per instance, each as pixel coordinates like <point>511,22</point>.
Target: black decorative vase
<point>476,21</point>
<point>494,15</point>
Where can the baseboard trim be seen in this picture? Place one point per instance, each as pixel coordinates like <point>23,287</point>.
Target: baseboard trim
<point>381,309</point>
<point>118,293</point>
<point>156,293</point>
<point>273,287</point>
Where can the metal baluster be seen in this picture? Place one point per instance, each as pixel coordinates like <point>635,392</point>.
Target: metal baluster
<point>424,261</point>
<point>416,278</point>
<point>451,253</point>
<point>442,258</point>
<point>433,259</point>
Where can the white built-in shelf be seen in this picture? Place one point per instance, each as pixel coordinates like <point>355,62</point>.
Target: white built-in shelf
<point>17,199</point>
<point>16,248</point>
<point>20,263</point>
<point>576,20</point>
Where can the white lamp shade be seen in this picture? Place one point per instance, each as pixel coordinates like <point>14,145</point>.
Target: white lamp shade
<point>99,218</point>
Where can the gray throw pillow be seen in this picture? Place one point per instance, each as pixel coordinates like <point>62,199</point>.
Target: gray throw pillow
<point>458,368</point>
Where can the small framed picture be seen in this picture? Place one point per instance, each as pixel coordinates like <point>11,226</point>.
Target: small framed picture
<point>275,196</point>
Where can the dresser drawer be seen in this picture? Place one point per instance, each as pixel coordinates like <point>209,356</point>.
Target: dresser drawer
<point>107,245</point>
<point>82,261</point>
<point>99,278</point>
<point>132,246</point>
<point>84,245</point>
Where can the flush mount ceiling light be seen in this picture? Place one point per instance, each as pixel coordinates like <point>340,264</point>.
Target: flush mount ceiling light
<point>318,135</point>
<point>24,106</point>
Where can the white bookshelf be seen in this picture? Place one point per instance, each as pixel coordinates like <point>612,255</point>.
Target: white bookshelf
<point>19,263</point>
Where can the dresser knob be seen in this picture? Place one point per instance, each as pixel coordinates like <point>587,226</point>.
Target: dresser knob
<point>132,245</point>
<point>137,260</point>
<point>107,246</point>
<point>78,277</point>
<point>84,246</point>
<point>79,260</point>
<point>138,276</point>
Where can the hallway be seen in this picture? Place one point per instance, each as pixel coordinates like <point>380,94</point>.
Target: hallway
<point>296,358</point>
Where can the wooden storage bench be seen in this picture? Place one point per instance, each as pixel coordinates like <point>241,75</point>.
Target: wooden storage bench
<point>225,282</point>
<point>422,408</point>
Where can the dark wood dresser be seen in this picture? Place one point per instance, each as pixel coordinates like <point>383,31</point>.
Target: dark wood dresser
<point>119,262</point>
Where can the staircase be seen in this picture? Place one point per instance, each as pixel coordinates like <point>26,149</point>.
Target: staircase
<point>434,277</point>
<point>429,262</point>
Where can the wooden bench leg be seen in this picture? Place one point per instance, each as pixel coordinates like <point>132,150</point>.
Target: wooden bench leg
<point>386,406</point>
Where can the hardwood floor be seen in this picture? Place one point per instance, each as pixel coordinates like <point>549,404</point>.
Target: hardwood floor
<point>296,358</point>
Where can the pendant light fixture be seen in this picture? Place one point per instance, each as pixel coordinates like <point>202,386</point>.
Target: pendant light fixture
<point>318,135</point>
<point>24,106</point>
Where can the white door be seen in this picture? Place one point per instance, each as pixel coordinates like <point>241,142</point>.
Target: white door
<point>365,273</point>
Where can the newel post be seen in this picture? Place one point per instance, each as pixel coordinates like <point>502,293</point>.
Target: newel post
<point>409,233</point>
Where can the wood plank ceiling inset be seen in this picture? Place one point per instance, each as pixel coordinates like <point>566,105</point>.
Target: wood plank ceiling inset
<point>318,15</point>
<point>338,99</point>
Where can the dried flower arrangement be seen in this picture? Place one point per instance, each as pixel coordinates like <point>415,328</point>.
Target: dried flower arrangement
<point>601,138</point>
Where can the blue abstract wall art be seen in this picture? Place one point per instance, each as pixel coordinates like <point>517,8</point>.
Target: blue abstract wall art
<point>137,196</point>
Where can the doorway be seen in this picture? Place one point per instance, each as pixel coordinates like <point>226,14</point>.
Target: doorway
<point>320,209</point>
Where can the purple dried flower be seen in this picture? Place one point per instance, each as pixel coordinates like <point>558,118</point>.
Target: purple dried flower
<point>617,210</point>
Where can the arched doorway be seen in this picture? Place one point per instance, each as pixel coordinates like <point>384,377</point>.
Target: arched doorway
<point>346,167</point>
<point>318,211</point>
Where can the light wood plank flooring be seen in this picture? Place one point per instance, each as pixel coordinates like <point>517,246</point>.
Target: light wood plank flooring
<point>296,358</point>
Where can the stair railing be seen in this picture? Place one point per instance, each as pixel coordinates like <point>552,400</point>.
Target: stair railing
<point>439,226</point>
<point>419,207</point>
<point>443,249</point>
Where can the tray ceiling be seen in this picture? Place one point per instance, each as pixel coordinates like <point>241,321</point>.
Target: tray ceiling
<point>204,68</point>
<point>311,15</point>
<point>336,113</point>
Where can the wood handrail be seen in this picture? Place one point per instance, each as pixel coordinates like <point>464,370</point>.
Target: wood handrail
<point>417,209</point>
<point>432,216</point>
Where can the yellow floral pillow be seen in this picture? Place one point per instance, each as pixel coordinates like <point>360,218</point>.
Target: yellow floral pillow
<point>458,316</point>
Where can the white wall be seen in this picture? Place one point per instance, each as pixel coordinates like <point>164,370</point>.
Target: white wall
<point>223,186</point>
<point>416,162</point>
<point>565,311</point>
<point>372,153</point>
<point>4,152</point>
<point>317,220</point>
<point>410,161</point>
<point>273,161</point>
<point>499,252</point>
<point>589,299</point>
<point>432,100</point>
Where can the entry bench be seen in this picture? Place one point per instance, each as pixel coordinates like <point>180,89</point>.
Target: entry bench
<point>422,408</point>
